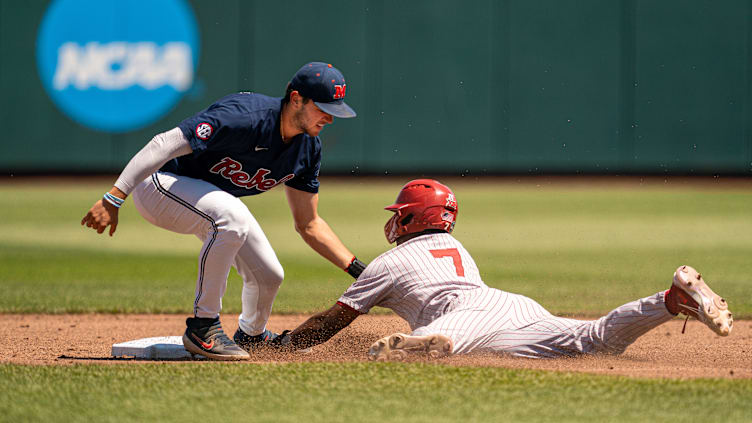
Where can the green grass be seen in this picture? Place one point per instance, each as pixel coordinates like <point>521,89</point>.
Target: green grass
<point>356,392</point>
<point>576,249</point>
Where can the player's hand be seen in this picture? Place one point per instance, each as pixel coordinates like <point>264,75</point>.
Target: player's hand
<point>101,215</point>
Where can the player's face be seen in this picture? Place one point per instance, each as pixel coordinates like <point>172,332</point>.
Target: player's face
<point>311,120</point>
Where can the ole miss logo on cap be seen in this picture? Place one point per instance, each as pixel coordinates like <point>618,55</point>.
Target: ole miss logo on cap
<point>325,85</point>
<point>339,91</point>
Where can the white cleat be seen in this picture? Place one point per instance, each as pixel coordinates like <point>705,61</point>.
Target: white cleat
<point>398,346</point>
<point>694,298</point>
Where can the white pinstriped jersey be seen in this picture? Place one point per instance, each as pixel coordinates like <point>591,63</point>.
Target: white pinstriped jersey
<point>418,279</point>
<point>432,282</point>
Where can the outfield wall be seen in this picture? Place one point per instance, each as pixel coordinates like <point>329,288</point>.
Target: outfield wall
<point>474,88</point>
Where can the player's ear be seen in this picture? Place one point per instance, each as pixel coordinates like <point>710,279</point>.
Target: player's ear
<point>295,98</point>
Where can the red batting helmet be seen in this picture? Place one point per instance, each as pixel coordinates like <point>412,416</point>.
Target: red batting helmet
<point>422,204</point>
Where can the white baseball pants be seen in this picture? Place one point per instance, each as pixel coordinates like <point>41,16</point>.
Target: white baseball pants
<point>231,237</point>
<point>491,320</point>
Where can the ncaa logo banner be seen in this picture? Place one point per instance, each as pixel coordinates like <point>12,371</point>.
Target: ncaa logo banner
<point>117,65</point>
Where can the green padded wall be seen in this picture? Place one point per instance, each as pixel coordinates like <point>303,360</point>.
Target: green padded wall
<point>472,88</point>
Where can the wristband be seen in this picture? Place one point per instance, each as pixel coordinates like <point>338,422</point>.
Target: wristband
<point>355,268</point>
<point>115,201</point>
<point>114,198</point>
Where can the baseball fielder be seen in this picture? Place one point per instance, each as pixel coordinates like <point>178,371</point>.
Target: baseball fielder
<point>432,282</point>
<point>188,180</point>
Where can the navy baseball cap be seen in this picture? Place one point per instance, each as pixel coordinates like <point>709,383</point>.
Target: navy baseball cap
<point>325,85</point>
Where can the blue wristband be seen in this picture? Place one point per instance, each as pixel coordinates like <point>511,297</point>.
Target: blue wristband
<point>115,201</point>
<point>114,198</point>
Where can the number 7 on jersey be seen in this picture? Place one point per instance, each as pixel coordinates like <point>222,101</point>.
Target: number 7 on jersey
<point>454,254</point>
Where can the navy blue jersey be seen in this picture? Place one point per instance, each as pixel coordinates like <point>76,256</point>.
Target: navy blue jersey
<point>237,146</point>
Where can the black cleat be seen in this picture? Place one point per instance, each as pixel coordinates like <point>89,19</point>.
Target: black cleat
<point>249,343</point>
<point>204,336</point>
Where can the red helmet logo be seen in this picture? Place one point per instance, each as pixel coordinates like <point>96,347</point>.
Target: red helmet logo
<point>421,204</point>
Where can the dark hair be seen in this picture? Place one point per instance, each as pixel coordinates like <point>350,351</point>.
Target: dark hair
<point>286,98</point>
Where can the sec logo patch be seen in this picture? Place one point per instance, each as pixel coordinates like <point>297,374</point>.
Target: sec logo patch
<point>204,131</point>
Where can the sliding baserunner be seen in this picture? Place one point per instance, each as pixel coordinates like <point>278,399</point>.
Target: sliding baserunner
<point>432,282</point>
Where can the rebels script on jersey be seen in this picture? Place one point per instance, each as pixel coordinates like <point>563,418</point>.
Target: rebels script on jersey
<point>418,279</point>
<point>237,147</point>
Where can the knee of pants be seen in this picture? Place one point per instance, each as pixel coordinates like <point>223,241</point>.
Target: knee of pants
<point>274,275</point>
<point>265,272</point>
<point>234,224</point>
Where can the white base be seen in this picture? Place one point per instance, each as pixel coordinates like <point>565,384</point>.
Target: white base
<point>158,348</point>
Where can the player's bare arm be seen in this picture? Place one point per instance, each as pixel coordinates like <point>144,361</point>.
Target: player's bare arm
<point>319,328</point>
<point>314,230</point>
<point>104,213</point>
<point>157,152</point>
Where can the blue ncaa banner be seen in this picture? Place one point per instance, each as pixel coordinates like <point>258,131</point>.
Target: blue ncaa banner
<point>117,65</point>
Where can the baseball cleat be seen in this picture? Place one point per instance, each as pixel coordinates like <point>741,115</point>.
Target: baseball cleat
<point>693,297</point>
<point>398,346</point>
<point>249,342</point>
<point>204,336</point>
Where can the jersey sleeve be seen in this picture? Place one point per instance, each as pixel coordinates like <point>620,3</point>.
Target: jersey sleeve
<point>308,180</point>
<point>373,288</point>
<point>161,149</point>
<point>205,129</point>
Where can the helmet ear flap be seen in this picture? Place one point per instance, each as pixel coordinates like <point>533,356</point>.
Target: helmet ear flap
<point>391,229</point>
<point>396,226</point>
<point>406,220</point>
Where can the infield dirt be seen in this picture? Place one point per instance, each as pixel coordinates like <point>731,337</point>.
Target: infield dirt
<point>87,338</point>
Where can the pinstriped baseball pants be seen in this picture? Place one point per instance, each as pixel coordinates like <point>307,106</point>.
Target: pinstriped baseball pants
<point>491,320</point>
<point>231,238</point>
